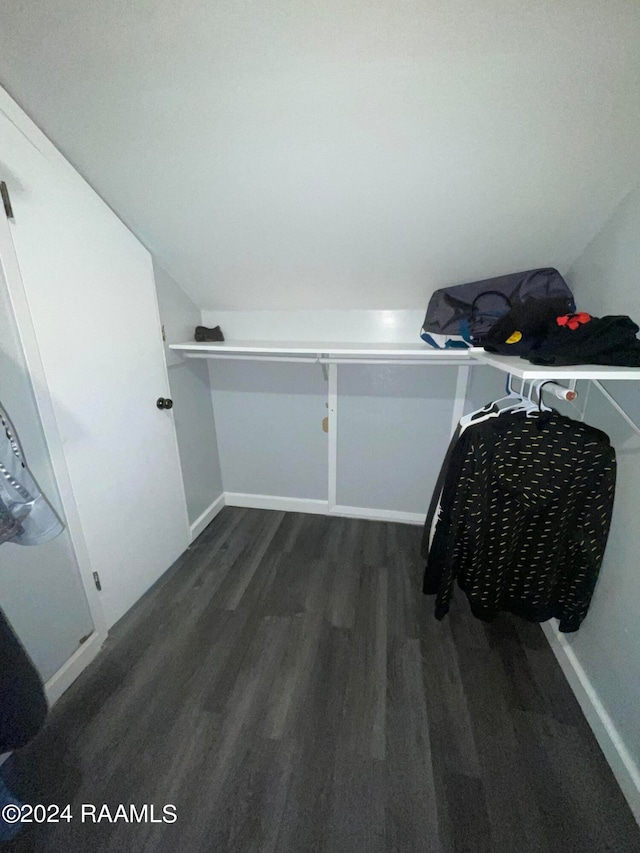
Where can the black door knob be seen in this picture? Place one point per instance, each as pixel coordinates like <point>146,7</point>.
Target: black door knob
<point>164,403</point>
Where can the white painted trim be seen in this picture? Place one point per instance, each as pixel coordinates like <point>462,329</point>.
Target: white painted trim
<point>320,508</point>
<point>378,514</point>
<point>162,353</point>
<point>68,672</point>
<point>462,381</point>
<point>274,502</point>
<point>206,517</point>
<point>332,406</point>
<point>621,762</point>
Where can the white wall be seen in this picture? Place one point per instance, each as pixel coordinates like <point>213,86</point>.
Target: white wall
<point>607,647</point>
<point>40,587</point>
<point>191,394</point>
<point>339,154</point>
<point>606,275</point>
<point>394,425</point>
<point>393,422</point>
<point>269,425</point>
<point>355,326</point>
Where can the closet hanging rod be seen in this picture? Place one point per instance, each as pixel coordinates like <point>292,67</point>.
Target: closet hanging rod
<point>561,392</point>
<point>281,359</point>
<point>321,359</point>
<point>401,361</point>
<point>571,394</point>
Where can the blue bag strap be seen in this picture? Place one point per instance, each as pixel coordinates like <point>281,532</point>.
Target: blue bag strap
<point>448,345</point>
<point>465,331</point>
<point>429,340</point>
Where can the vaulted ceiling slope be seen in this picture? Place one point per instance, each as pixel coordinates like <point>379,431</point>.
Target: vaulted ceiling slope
<point>340,153</point>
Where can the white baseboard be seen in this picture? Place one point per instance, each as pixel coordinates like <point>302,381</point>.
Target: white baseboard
<point>206,517</point>
<point>67,674</point>
<point>319,507</point>
<point>622,764</point>
<point>378,514</point>
<point>274,502</point>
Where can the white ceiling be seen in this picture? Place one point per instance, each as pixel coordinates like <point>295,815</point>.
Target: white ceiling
<point>344,153</point>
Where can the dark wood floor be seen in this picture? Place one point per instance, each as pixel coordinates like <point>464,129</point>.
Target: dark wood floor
<point>288,689</point>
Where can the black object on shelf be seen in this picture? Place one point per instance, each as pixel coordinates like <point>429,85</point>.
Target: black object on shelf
<point>203,334</point>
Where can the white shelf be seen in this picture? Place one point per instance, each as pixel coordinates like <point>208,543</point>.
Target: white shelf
<point>329,349</point>
<point>418,353</point>
<point>525,370</point>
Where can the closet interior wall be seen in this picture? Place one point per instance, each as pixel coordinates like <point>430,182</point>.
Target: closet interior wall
<point>269,428</point>
<point>604,664</point>
<point>193,410</point>
<point>263,442</point>
<point>392,423</point>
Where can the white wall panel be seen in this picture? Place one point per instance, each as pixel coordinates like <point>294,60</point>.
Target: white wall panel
<point>393,432</point>
<point>607,647</point>
<point>357,326</point>
<point>191,394</point>
<point>484,384</point>
<point>269,428</point>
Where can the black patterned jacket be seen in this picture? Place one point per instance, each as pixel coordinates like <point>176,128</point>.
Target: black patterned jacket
<point>524,520</point>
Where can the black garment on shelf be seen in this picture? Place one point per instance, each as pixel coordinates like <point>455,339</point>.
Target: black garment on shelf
<point>202,333</point>
<point>23,706</point>
<point>526,325</point>
<point>524,518</point>
<point>603,340</point>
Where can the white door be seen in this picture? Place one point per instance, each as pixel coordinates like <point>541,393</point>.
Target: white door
<point>89,287</point>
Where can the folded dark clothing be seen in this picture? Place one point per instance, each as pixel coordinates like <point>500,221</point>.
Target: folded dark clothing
<point>602,340</point>
<point>203,334</point>
<point>525,325</point>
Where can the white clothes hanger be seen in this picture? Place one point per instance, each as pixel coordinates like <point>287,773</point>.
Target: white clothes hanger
<point>512,400</point>
<point>529,405</point>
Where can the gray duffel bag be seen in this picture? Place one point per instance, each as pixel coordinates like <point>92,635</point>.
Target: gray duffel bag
<point>461,315</point>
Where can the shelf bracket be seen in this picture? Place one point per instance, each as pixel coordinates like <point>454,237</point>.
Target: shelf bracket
<point>324,366</point>
<point>616,406</point>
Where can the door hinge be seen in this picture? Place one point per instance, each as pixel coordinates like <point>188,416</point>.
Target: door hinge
<point>6,201</point>
<point>85,638</point>
<point>96,578</point>
<point>164,336</point>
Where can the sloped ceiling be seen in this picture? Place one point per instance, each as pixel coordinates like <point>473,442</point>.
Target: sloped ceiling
<point>341,153</point>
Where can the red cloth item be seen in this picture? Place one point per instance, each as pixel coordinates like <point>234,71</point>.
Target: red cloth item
<point>573,321</point>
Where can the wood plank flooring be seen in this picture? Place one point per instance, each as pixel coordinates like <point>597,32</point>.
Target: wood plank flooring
<point>287,688</point>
